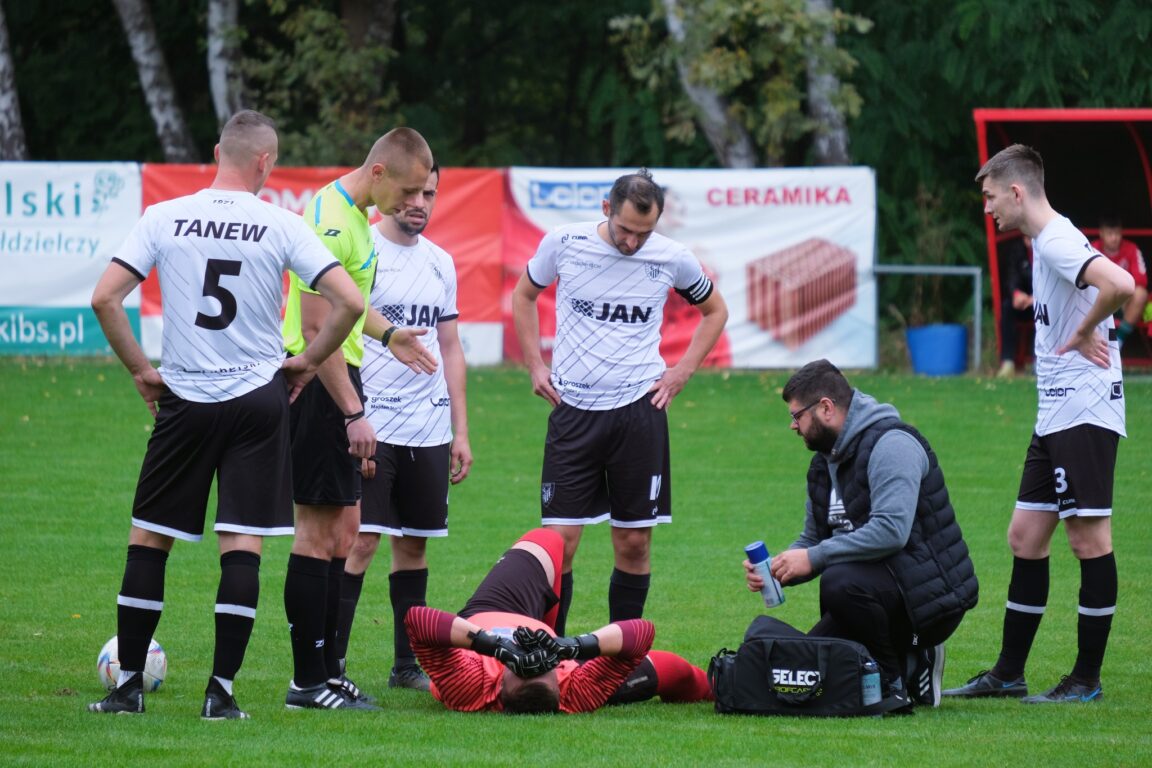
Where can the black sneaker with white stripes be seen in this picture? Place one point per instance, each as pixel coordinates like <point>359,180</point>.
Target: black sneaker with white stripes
<point>350,690</point>
<point>322,697</point>
<point>927,674</point>
<point>125,699</point>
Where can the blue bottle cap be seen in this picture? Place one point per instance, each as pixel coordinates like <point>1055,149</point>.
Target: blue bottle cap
<point>757,552</point>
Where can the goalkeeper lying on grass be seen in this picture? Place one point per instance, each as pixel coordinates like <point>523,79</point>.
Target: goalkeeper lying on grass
<point>499,652</point>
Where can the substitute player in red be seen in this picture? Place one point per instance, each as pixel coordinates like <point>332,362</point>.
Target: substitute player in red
<point>1127,255</point>
<point>221,394</point>
<point>1069,467</point>
<point>606,455</point>
<point>488,657</point>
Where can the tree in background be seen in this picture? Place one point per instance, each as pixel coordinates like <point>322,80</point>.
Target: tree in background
<point>12,146</point>
<point>225,58</point>
<point>746,69</point>
<point>172,130</point>
<point>324,80</point>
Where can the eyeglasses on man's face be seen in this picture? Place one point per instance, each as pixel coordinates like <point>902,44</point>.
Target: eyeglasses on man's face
<point>797,414</point>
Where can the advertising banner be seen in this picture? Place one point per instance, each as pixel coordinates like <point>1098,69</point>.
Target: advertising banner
<point>465,222</point>
<point>60,223</point>
<point>791,250</point>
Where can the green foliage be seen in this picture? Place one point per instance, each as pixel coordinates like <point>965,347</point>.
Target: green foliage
<point>534,84</point>
<point>925,68</point>
<point>80,94</point>
<point>72,433</point>
<point>328,95</point>
<point>754,54</point>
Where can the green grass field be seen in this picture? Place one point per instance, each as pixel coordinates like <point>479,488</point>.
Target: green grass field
<point>72,434</point>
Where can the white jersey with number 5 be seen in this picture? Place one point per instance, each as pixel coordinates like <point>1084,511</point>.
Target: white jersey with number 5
<point>221,257</point>
<point>415,288</point>
<point>609,308</point>
<point>1072,389</point>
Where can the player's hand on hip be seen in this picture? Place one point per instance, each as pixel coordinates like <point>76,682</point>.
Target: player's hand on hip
<point>405,346</point>
<point>150,384</point>
<point>1092,346</point>
<point>297,374</point>
<point>361,438</point>
<point>668,386</point>
<point>542,384</point>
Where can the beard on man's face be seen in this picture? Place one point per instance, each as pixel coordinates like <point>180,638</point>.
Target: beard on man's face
<point>819,437</point>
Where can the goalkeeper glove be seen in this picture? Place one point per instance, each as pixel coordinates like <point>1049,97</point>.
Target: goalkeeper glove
<point>522,662</point>
<point>580,648</point>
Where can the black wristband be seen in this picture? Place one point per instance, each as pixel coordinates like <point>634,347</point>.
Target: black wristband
<point>351,417</point>
<point>387,335</point>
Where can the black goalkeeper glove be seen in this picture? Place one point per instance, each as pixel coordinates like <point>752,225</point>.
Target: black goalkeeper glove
<point>523,662</point>
<point>580,648</point>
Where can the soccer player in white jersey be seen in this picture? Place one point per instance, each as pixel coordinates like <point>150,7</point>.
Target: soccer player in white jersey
<point>421,424</point>
<point>220,397</point>
<point>606,452</point>
<point>1069,467</point>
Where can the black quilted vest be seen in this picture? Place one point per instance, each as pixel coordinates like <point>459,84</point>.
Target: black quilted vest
<point>933,570</point>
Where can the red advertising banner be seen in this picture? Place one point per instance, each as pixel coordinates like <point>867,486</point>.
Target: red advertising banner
<point>466,222</point>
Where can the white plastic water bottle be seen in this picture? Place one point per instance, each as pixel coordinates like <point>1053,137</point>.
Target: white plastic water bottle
<point>870,683</point>
<point>758,555</point>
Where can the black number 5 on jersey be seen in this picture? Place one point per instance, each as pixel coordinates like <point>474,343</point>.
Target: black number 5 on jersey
<point>216,269</point>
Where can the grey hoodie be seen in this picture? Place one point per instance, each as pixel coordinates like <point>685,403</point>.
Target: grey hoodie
<point>897,466</point>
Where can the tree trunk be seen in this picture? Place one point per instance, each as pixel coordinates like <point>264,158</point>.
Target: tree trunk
<point>370,24</point>
<point>224,76</point>
<point>175,138</point>
<point>831,137</point>
<point>12,144</point>
<point>728,138</point>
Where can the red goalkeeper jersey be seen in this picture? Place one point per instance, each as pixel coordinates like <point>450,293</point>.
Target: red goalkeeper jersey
<point>467,681</point>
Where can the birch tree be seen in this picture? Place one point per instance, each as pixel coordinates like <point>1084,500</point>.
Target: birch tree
<point>225,78</point>
<point>171,128</point>
<point>830,131</point>
<point>747,68</point>
<point>726,135</point>
<point>12,144</point>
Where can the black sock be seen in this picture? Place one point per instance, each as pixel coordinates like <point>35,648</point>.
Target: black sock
<point>405,589</point>
<point>1027,599</point>
<point>627,593</point>
<point>332,654</point>
<point>565,602</point>
<point>349,599</point>
<point>305,605</point>
<point>1098,588</point>
<point>139,604</point>
<point>236,600</point>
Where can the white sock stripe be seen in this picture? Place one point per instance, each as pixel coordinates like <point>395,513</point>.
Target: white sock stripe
<point>1034,609</point>
<point>136,602</point>
<point>236,610</point>
<point>1097,611</point>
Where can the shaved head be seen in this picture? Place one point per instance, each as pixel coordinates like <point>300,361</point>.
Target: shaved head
<point>246,136</point>
<point>400,149</point>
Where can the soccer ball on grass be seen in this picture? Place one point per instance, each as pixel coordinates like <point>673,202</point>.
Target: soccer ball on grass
<point>108,665</point>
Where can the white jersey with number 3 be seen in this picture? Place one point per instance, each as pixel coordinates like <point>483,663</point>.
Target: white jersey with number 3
<point>1072,389</point>
<point>221,257</point>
